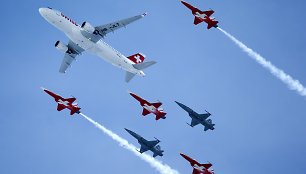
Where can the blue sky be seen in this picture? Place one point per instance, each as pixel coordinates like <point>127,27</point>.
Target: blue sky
<point>259,122</point>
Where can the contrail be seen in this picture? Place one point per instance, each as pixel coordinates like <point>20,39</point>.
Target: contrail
<point>158,165</point>
<point>280,74</point>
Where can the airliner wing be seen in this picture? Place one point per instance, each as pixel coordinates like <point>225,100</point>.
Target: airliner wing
<point>70,56</point>
<point>111,27</point>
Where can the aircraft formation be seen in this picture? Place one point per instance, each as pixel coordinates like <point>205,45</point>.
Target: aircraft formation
<point>88,38</point>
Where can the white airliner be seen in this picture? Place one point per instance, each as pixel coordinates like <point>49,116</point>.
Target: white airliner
<point>85,37</point>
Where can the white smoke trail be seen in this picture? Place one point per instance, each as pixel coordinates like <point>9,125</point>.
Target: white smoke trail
<point>161,168</point>
<point>280,74</point>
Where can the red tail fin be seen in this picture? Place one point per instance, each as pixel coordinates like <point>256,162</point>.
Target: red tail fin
<point>137,58</point>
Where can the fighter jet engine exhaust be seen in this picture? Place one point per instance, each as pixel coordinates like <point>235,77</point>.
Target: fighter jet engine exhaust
<point>158,165</point>
<point>293,84</point>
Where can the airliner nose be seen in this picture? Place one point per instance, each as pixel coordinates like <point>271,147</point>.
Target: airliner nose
<point>41,10</point>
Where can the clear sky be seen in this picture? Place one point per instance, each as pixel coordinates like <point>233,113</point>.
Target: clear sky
<point>260,123</point>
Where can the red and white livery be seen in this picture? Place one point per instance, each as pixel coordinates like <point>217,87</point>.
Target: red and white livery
<point>148,107</point>
<point>64,103</point>
<point>197,167</point>
<point>202,16</point>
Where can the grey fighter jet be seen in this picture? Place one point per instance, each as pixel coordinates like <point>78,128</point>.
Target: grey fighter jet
<point>146,145</point>
<point>198,118</point>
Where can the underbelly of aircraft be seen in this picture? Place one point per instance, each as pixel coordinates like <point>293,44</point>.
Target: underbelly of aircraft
<point>103,51</point>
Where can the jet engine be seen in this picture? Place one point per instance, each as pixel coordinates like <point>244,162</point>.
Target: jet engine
<point>62,47</point>
<point>88,27</point>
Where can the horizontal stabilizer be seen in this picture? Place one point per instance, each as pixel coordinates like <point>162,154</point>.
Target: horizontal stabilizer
<point>76,110</point>
<point>162,115</point>
<point>143,65</point>
<point>129,76</point>
<point>211,23</point>
<point>206,128</point>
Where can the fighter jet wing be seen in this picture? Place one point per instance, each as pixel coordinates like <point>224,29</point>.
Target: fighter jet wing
<point>207,166</point>
<point>145,112</point>
<point>70,100</point>
<point>204,116</point>
<point>157,104</point>
<point>70,56</point>
<point>209,12</point>
<point>60,107</point>
<point>143,149</point>
<point>197,21</point>
<point>194,122</point>
<point>111,27</point>
<point>153,143</point>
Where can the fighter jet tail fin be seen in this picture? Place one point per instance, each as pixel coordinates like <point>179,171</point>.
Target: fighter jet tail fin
<point>143,65</point>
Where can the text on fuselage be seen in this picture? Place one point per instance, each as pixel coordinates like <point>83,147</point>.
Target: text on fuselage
<point>72,21</point>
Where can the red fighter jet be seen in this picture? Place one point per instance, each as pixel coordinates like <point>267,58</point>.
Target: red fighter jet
<point>197,167</point>
<point>202,16</point>
<point>64,103</point>
<point>150,107</point>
